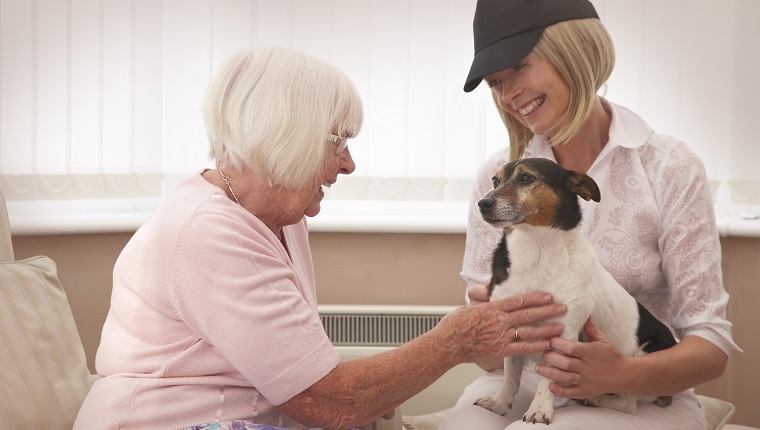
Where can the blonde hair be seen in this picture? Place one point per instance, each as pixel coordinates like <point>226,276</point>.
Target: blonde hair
<point>271,111</point>
<point>582,52</point>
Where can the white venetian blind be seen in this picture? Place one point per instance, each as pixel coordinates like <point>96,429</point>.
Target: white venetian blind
<point>99,99</point>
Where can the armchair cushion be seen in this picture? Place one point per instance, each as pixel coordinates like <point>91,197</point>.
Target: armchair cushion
<point>717,411</point>
<point>6,246</point>
<point>44,377</point>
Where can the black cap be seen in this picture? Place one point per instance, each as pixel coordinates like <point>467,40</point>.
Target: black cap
<point>505,31</point>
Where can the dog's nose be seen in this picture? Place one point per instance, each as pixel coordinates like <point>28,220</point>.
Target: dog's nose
<point>485,204</point>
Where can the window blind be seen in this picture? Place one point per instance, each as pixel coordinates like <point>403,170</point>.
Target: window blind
<point>100,99</point>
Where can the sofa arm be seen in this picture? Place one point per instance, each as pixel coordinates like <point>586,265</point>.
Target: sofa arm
<point>6,247</point>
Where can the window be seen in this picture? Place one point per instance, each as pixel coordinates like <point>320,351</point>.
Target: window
<point>99,99</point>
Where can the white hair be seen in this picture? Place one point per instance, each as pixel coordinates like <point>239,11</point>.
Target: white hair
<point>271,110</point>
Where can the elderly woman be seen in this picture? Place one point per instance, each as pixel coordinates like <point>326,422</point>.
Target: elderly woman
<point>213,316</point>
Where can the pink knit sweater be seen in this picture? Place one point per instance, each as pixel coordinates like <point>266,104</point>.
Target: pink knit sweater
<point>211,319</point>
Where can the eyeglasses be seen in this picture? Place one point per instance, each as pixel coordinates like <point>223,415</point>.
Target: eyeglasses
<point>340,142</point>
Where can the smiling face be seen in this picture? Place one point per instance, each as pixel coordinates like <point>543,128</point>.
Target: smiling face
<point>334,165</point>
<point>533,92</point>
<point>279,206</point>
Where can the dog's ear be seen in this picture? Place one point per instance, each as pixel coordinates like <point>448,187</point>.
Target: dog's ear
<point>584,186</point>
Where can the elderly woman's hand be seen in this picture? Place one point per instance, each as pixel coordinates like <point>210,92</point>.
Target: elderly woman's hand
<point>348,395</point>
<point>505,327</point>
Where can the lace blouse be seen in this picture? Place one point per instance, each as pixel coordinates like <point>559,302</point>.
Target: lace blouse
<point>654,229</point>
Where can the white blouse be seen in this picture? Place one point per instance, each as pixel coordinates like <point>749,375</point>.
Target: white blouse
<point>654,229</point>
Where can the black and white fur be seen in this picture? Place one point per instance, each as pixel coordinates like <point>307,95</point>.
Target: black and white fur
<point>535,201</point>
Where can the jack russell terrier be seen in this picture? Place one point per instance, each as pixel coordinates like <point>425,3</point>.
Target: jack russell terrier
<point>535,201</point>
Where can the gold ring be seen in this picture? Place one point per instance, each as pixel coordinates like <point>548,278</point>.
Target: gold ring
<point>517,336</point>
<point>577,378</point>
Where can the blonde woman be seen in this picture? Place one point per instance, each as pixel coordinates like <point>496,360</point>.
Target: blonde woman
<point>654,229</point>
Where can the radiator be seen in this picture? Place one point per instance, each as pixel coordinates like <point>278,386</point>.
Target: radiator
<point>378,326</point>
<point>362,330</point>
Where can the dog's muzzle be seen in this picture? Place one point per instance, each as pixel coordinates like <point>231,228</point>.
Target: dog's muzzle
<point>486,204</point>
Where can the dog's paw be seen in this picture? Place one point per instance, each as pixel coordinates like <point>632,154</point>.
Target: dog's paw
<point>494,405</point>
<point>537,415</point>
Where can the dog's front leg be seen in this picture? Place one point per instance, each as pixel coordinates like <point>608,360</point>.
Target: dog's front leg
<point>505,398</point>
<point>541,409</point>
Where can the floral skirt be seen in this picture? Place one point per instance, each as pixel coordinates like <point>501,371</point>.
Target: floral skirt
<point>234,425</point>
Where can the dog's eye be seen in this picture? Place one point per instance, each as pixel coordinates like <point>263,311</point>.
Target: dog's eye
<point>525,178</point>
<point>495,181</point>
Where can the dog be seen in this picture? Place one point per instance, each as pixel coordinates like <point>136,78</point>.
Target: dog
<point>535,201</point>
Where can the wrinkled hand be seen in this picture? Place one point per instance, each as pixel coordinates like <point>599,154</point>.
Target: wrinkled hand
<point>488,330</point>
<point>478,294</point>
<point>585,369</point>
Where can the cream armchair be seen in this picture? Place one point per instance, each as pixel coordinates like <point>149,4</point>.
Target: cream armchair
<point>6,246</point>
<point>44,376</point>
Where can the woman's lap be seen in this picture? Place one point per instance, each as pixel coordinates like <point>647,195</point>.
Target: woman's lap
<point>684,414</point>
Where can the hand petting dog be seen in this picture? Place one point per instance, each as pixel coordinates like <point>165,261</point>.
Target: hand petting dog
<point>493,324</point>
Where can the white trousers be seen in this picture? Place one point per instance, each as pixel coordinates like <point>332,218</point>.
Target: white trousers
<point>684,414</point>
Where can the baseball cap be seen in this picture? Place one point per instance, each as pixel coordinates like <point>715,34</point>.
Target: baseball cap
<point>505,31</point>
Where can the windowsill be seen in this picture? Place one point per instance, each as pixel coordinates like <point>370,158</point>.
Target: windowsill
<point>739,227</point>
<point>42,218</point>
<point>38,218</point>
<point>391,217</point>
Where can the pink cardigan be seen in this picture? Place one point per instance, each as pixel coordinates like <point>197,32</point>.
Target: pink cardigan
<point>211,320</point>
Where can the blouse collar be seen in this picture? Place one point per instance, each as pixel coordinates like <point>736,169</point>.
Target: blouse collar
<point>627,130</point>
